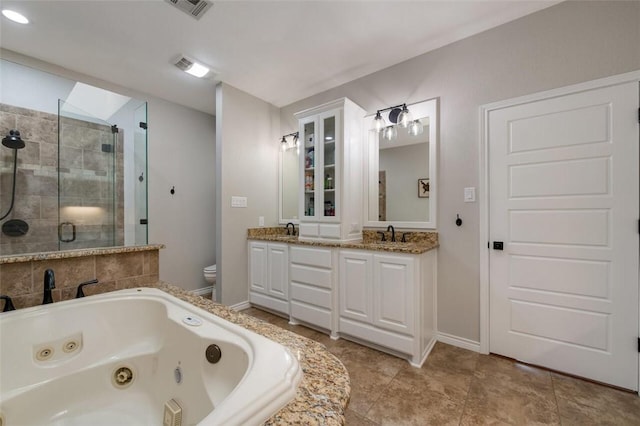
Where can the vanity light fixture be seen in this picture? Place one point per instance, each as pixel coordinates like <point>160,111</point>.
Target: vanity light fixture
<point>15,16</point>
<point>399,116</point>
<point>295,142</point>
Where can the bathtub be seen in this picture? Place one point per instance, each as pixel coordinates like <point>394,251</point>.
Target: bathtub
<point>137,357</point>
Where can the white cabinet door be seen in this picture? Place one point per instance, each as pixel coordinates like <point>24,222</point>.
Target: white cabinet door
<point>258,266</point>
<point>356,285</point>
<point>393,284</point>
<point>278,266</point>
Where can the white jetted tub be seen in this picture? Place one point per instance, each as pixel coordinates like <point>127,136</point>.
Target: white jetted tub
<point>137,357</point>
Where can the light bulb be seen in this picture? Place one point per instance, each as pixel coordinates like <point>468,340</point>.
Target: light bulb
<point>378,122</point>
<point>389,133</point>
<point>405,117</point>
<point>415,128</point>
<point>283,144</point>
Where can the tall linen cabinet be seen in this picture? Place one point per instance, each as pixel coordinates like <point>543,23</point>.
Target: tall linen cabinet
<point>331,138</point>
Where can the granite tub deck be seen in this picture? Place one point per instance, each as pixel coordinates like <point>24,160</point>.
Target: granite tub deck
<point>323,393</point>
<point>417,242</point>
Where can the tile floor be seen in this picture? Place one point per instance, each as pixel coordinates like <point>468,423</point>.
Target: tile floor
<point>459,387</point>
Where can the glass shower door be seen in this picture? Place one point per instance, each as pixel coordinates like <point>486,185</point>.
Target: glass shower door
<point>88,202</point>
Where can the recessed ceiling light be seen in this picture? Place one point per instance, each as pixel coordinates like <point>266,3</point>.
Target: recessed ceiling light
<point>198,70</point>
<point>15,16</point>
<point>191,66</point>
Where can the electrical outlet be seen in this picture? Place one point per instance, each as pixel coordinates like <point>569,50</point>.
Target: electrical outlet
<point>260,220</point>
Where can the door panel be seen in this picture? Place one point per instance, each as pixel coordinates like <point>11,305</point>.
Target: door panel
<point>278,264</point>
<point>563,195</point>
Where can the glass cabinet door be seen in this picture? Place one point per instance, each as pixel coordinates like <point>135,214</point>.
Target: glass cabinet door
<point>329,166</point>
<point>309,161</point>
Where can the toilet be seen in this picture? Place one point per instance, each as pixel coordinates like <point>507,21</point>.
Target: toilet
<point>210,277</point>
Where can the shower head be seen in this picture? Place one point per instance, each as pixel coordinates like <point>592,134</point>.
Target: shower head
<point>13,140</point>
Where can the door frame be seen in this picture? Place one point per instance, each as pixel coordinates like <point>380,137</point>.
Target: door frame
<point>483,180</point>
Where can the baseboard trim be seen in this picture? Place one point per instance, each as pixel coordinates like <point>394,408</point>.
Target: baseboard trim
<point>202,291</point>
<point>460,342</point>
<point>241,306</point>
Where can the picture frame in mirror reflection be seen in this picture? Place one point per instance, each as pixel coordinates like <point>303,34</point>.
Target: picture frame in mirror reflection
<point>423,188</point>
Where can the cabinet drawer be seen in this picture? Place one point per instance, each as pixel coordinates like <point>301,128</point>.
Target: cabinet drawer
<point>311,256</point>
<point>311,314</point>
<point>390,340</point>
<point>311,295</point>
<point>272,303</point>
<point>310,275</point>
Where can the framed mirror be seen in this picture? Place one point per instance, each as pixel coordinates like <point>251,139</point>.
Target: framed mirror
<point>401,171</point>
<point>288,186</point>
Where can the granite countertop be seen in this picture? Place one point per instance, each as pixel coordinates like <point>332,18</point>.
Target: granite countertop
<point>66,254</point>
<point>324,391</point>
<point>417,241</point>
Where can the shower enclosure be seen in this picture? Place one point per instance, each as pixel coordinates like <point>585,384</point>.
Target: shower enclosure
<point>81,181</point>
<point>90,180</point>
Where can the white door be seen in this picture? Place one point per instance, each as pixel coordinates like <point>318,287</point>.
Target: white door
<point>563,200</point>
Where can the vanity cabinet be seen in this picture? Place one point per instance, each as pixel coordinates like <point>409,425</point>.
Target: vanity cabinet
<point>388,300</point>
<point>330,176</point>
<point>312,287</point>
<point>269,275</point>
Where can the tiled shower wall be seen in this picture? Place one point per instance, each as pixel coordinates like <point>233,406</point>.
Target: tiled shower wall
<point>84,174</point>
<point>23,281</point>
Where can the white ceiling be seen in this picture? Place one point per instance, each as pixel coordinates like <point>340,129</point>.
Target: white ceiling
<point>279,51</point>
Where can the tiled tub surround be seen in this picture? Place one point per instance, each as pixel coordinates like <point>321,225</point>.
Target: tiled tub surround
<point>417,242</point>
<point>116,268</point>
<point>86,175</point>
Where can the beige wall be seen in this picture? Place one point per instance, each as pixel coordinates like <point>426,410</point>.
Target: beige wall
<point>182,155</point>
<point>565,44</point>
<point>248,131</point>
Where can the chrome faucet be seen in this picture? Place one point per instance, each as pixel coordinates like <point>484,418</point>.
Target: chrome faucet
<point>49,284</point>
<point>393,232</point>
<point>293,228</point>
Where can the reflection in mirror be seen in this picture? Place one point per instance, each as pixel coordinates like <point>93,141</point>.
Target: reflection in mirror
<point>289,166</point>
<point>81,180</point>
<point>401,172</point>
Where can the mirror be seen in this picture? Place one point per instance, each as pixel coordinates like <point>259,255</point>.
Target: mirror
<point>288,194</point>
<point>81,179</point>
<point>401,173</point>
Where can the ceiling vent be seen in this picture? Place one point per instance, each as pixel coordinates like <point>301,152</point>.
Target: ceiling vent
<point>184,63</point>
<point>194,8</point>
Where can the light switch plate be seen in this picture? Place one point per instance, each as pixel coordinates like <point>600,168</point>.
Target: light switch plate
<point>260,220</point>
<point>238,201</point>
<point>470,195</point>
